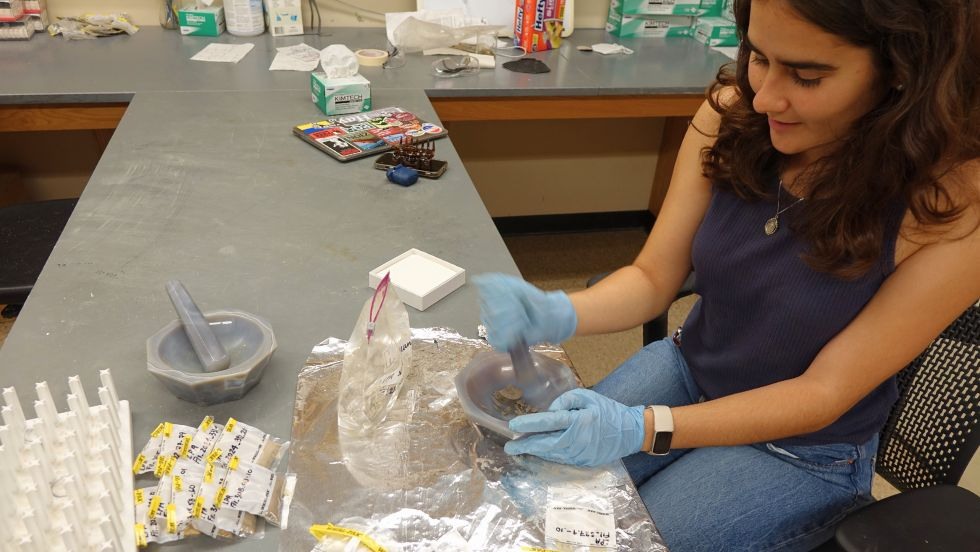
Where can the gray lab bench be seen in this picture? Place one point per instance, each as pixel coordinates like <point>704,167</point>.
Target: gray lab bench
<point>203,181</point>
<point>53,84</point>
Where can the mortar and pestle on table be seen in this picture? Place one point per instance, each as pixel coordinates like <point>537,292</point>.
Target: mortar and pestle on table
<point>208,359</point>
<point>495,387</point>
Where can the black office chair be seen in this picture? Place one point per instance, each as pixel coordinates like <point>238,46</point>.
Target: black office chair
<point>28,232</point>
<point>927,443</point>
<point>929,439</point>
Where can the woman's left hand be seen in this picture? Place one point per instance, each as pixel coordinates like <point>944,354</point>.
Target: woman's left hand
<point>582,428</point>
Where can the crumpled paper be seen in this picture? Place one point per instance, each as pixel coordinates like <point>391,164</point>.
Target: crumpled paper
<point>92,26</point>
<point>301,57</point>
<point>609,48</point>
<point>338,61</point>
<point>414,35</point>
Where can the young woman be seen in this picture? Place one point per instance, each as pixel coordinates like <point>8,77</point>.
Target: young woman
<point>827,195</point>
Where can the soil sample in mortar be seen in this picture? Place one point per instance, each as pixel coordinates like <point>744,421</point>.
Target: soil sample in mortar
<point>510,404</point>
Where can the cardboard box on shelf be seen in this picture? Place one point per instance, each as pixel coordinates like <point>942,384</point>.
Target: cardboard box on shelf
<point>340,96</point>
<point>661,7</point>
<point>649,26</point>
<point>728,10</point>
<point>22,29</point>
<point>34,6</point>
<point>40,20</point>
<point>202,21</point>
<point>715,31</point>
<point>11,11</point>
<point>538,24</point>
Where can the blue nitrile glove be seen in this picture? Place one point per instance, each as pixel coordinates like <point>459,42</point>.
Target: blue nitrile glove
<point>583,428</point>
<point>511,308</point>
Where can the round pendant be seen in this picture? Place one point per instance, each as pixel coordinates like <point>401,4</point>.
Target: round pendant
<point>771,226</point>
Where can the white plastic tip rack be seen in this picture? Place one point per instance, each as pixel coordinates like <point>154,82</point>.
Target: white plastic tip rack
<point>65,476</point>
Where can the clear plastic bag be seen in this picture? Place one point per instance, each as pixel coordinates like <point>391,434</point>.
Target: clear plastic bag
<point>167,443</point>
<point>204,440</point>
<point>212,519</point>
<point>414,35</point>
<point>92,26</point>
<point>353,536</point>
<point>250,444</point>
<point>376,361</point>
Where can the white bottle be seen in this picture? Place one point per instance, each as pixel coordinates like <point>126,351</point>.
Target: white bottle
<point>569,18</point>
<point>244,17</point>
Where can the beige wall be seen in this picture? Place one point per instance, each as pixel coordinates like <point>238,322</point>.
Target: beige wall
<point>588,13</point>
<point>556,167</point>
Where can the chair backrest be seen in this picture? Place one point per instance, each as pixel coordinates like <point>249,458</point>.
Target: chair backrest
<point>931,433</point>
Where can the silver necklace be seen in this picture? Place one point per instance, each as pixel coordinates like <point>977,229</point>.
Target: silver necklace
<point>773,223</point>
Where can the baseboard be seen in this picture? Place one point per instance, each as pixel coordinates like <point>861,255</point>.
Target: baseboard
<point>576,222</point>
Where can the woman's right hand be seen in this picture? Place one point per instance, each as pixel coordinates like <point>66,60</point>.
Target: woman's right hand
<point>512,309</point>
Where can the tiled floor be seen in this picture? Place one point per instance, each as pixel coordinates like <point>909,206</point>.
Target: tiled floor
<point>5,325</point>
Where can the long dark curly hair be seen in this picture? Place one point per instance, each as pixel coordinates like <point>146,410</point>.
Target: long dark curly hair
<point>898,152</point>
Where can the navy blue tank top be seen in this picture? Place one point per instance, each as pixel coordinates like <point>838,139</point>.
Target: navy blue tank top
<point>764,314</point>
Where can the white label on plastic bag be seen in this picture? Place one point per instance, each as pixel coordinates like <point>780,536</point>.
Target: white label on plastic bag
<point>579,518</point>
<point>250,489</point>
<point>391,382</point>
<point>203,442</point>
<point>393,379</point>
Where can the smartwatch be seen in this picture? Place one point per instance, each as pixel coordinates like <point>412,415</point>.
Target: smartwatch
<point>663,430</point>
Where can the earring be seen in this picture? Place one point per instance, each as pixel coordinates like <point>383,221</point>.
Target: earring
<point>899,87</point>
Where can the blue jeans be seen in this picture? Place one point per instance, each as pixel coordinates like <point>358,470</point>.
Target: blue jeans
<point>750,497</point>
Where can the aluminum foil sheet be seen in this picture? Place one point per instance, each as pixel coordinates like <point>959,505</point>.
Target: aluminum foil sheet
<point>430,480</point>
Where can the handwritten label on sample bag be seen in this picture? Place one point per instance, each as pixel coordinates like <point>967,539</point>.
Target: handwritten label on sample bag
<point>579,517</point>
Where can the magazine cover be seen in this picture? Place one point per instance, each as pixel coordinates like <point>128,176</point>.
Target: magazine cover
<point>347,137</point>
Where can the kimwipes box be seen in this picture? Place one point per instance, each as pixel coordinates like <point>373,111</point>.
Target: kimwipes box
<point>716,31</point>
<point>202,22</point>
<point>660,7</point>
<point>646,26</point>
<point>341,96</point>
<point>538,24</point>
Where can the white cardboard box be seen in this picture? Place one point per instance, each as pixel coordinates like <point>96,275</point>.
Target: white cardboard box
<point>421,279</point>
<point>284,17</point>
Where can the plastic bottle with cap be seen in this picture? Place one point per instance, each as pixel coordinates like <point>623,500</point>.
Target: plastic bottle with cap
<point>568,19</point>
<point>244,17</point>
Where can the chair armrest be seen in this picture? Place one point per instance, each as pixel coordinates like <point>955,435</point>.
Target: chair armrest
<point>944,517</point>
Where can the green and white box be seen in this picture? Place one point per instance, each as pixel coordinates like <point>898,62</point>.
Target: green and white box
<point>657,7</point>
<point>711,8</point>
<point>728,10</point>
<point>284,17</point>
<point>340,96</point>
<point>715,31</point>
<point>202,22</point>
<point>647,26</point>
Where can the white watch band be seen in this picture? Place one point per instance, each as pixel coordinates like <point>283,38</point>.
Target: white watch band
<point>663,429</point>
